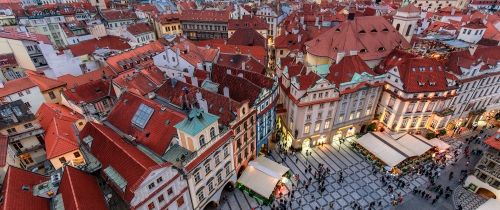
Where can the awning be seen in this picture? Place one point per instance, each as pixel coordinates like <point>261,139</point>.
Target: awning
<point>258,181</point>
<point>393,149</point>
<point>441,145</point>
<point>269,167</point>
<point>262,175</point>
<point>491,204</point>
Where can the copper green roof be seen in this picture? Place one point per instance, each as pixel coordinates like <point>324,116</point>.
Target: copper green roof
<point>196,121</point>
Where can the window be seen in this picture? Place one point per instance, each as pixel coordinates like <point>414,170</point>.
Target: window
<point>76,154</point>
<point>410,107</point>
<point>317,126</point>
<point>20,94</point>
<point>306,128</point>
<point>219,176</point>
<point>202,140</point>
<point>200,194</point>
<point>210,185</point>
<point>180,201</point>
<point>11,130</point>
<point>27,90</point>
<point>420,106</point>
<point>391,102</point>
<point>226,151</point>
<point>327,124</point>
<point>170,191</point>
<point>308,117</point>
<point>142,116</point>
<point>28,125</point>
<point>207,167</point>
<point>62,160</point>
<point>151,186</point>
<point>404,123</point>
<point>217,159</point>
<point>414,122</point>
<point>52,95</point>
<point>228,169</point>
<point>197,177</point>
<point>151,206</point>
<point>159,180</point>
<point>212,133</point>
<point>386,117</point>
<point>161,198</point>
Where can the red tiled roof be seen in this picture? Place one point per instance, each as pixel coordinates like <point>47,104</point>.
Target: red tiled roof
<point>194,54</point>
<point>136,80</point>
<point>111,150</point>
<point>256,78</point>
<point>4,144</point>
<point>307,80</point>
<point>12,32</point>
<point>88,47</point>
<point>475,24</point>
<point>240,89</point>
<point>417,74</point>
<point>167,18</point>
<point>247,37</point>
<point>139,28</point>
<point>256,52</point>
<point>60,138</point>
<point>494,141</point>
<point>457,59</point>
<point>98,74</point>
<point>217,104</point>
<point>90,92</point>
<point>204,15</point>
<point>372,34</point>
<point>14,197</point>
<point>237,61</point>
<point>117,15</point>
<point>396,57</point>
<point>410,8</point>
<point>33,79</point>
<point>247,21</point>
<point>48,111</point>
<point>346,68</point>
<point>159,130</point>
<point>132,57</point>
<point>148,8</point>
<point>80,191</point>
<point>43,82</point>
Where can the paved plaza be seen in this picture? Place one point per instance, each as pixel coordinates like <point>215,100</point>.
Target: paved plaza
<point>359,183</point>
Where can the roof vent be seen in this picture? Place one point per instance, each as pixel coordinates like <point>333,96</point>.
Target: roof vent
<point>25,187</point>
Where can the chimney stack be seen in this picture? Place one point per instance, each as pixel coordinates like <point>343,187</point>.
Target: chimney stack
<point>226,91</point>
<point>299,38</point>
<point>340,55</point>
<point>351,15</point>
<point>243,65</point>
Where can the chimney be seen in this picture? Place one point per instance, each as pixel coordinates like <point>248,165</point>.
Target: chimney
<point>316,23</point>
<point>226,91</point>
<point>340,55</point>
<point>243,65</point>
<point>201,101</point>
<point>299,38</point>
<point>194,81</point>
<point>302,20</point>
<point>453,10</point>
<point>228,71</point>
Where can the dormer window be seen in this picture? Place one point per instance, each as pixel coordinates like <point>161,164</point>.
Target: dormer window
<point>373,30</point>
<point>432,83</point>
<point>363,50</point>
<point>362,32</point>
<point>421,68</point>
<point>381,49</point>
<point>421,84</point>
<point>337,30</point>
<point>385,30</point>
<point>202,140</point>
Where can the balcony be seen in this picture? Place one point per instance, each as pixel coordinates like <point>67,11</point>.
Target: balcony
<point>35,130</point>
<point>29,149</point>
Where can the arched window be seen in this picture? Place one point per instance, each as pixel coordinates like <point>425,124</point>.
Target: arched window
<point>212,133</point>
<point>202,140</point>
<point>397,26</point>
<point>408,30</point>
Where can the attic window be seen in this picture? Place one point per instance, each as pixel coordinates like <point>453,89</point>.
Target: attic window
<point>432,83</point>
<point>385,30</point>
<point>421,68</point>
<point>337,30</point>
<point>142,115</point>
<point>413,69</point>
<point>421,84</point>
<point>373,30</point>
<point>363,50</point>
<point>362,32</point>
<point>430,68</point>
<point>381,49</point>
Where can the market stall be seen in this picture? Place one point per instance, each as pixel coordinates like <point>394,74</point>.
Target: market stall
<point>395,152</point>
<point>264,180</point>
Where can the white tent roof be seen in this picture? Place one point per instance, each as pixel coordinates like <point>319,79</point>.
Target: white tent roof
<point>269,167</point>
<point>441,145</point>
<point>393,149</point>
<point>491,204</point>
<point>258,181</point>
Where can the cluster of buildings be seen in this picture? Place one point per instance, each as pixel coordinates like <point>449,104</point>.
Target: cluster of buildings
<point>162,104</point>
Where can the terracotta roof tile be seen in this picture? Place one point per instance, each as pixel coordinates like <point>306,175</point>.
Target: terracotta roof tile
<point>194,54</point>
<point>423,75</point>
<point>43,82</point>
<point>4,144</point>
<point>464,58</point>
<point>111,150</point>
<point>373,37</point>
<point>247,21</point>
<point>90,92</point>
<point>247,37</point>
<point>475,24</point>
<point>80,191</point>
<point>7,60</point>
<point>240,89</point>
<point>117,15</point>
<point>159,130</point>
<point>48,111</point>
<point>98,74</point>
<point>205,15</point>
<point>135,58</point>
<point>494,141</point>
<point>12,32</point>
<point>139,28</point>
<point>88,47</point>
<point>256,52</point>
<point>346,68</point>
<point>14,197</point>
<point>60,138</point>
<point>410,8</point>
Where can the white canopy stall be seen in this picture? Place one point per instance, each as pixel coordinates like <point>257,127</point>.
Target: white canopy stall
<point>441,145</point>
<point>393,149</point>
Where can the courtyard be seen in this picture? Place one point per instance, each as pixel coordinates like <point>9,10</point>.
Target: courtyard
<point>360,185</point>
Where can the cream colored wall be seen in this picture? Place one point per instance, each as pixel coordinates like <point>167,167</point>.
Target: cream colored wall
<point>57,92</point>
<point>20,128</point>
<point>316,60</point>
<point>480,184</point>
<point>161,31</point>
<point>19,50</point>
<point>68,156</point>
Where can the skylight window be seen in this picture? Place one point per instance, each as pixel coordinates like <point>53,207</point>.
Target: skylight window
<point>141,117</point>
